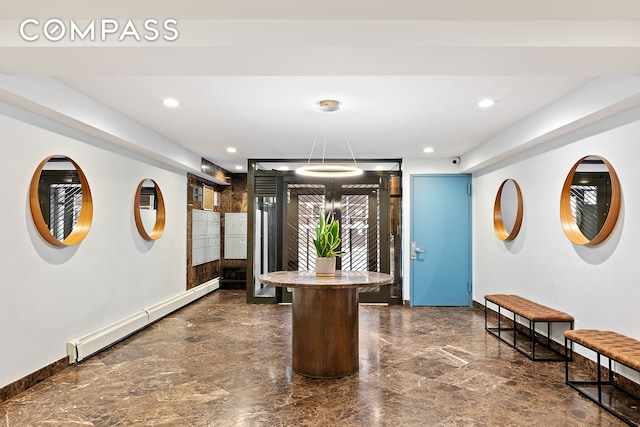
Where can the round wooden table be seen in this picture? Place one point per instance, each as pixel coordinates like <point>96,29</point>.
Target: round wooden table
<point>324,319</point>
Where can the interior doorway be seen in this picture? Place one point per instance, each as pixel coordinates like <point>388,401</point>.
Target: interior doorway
<point>285,228</point>
<point>441,240</point>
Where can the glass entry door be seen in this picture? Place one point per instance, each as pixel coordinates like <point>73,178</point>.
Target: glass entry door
<point>363,211</point>
<point>365,234</point>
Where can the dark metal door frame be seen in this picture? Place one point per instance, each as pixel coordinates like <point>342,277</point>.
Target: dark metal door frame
<point>333,192</point>
<point>270,184</point>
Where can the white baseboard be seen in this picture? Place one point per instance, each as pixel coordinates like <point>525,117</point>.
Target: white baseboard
<point>82,347</point>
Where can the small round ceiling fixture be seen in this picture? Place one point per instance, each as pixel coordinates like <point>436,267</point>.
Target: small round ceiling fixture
<point>329,105</point>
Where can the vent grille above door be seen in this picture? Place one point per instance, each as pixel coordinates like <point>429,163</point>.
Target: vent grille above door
<point>265,185</point>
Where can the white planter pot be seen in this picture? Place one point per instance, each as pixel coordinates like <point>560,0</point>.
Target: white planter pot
<point>325,267</point>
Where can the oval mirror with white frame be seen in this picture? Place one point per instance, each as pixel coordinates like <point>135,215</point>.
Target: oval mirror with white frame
<point>508,210</point>
<point>60,201</point>
<point>590,201</point>
<point>149,210</point>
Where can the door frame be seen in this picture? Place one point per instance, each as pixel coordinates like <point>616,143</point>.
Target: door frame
<point>333,203</point>
<point>265,181</point>
<point>412,237</point>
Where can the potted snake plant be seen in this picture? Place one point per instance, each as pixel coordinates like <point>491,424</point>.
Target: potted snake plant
<point>326,243</point>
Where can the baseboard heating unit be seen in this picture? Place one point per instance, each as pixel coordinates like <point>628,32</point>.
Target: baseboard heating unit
<point>82,347</point>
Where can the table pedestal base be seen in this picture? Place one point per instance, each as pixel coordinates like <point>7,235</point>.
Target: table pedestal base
<point>325,332</point>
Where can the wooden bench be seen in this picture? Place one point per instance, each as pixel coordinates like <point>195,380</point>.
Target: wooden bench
<point>615,397</point>
<point>532,313</point>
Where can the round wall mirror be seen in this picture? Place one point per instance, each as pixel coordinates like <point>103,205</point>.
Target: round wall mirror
<point>149,210</point>
<point>60,201</point>
<point>508,210</point>
<point>590,201</point>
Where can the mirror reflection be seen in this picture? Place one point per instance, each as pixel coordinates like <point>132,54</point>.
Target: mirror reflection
<point>508,210</point>
<point>590,201</point>
<point>590,195</point>
<point>149,210</point>
<point>148,205</point>
<point>61,201</point>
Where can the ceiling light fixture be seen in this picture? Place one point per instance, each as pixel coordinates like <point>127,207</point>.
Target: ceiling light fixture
<point>329,170</point>
<point>428,150</point>
<point>170,102</point>
<point>231,149</point>
<point>486,103</point>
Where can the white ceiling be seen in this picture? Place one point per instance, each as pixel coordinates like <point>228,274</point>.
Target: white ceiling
<point>250,73</point>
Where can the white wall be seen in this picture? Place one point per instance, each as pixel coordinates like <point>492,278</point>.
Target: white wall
<point>599,286</point>
<point>50,294</point>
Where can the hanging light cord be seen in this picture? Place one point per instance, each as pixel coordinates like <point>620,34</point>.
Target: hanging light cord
<point>313,146</point>
<point>344,132</point>
<point>324,142</point>
<point>323,169</point>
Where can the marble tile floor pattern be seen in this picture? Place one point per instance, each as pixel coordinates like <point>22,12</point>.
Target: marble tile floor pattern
<point>222,362</point>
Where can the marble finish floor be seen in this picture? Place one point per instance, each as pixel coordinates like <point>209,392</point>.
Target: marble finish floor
<point>222,362</point>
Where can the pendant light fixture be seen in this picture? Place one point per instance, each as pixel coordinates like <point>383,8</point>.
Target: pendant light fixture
<point>329,170</point>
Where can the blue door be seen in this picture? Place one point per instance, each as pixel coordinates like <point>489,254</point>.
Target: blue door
<point>440,240</point>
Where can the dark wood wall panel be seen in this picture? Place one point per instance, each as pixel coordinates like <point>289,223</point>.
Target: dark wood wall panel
<point>232,198</point>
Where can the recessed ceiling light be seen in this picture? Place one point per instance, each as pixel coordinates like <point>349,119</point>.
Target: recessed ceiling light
<point>231,149</point>
<point>283,168</point>
<point>428,150</point>
<point>170,102</point>
<point>238,167</point>
<point>486,103</point>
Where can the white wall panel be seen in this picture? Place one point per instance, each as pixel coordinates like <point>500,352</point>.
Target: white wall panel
<point>48,294</point>
<point>597,285</point>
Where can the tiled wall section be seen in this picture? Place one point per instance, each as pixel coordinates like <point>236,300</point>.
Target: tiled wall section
<point>232,198</point>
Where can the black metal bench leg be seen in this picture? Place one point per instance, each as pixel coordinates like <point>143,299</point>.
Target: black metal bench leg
<point>599,380</point>
<point>532,331</point>
<point>566,360</point>
<point>485,315</point>
<point>515,329</point>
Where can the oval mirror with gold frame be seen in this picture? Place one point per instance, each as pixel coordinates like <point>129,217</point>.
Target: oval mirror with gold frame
<point>148,210</point>
<point>590,201</point>
<point>60,201</point>
<point>508,210</point>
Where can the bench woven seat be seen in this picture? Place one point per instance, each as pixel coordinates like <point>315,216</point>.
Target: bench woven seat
<point>532,312</point>
<point>529,309</point>
<point>613,395</point>
<point>610,344</point>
